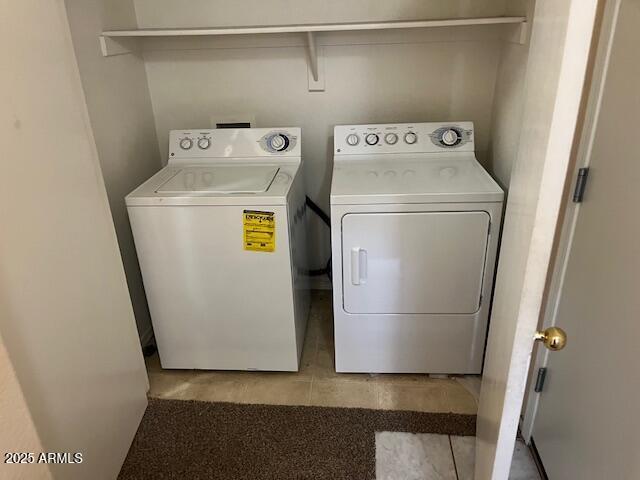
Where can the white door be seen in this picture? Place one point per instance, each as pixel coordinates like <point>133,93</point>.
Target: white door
<point>559,52</point>
<point>65,314</point>
<point>587,419</point>
<point>414,262</point>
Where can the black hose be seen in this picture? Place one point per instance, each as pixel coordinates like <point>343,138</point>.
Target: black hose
<point>318,211</point>
<point>325,218</point>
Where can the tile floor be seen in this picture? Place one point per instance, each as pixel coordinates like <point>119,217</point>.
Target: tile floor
<point>410,456</point>
<point>317,383</point>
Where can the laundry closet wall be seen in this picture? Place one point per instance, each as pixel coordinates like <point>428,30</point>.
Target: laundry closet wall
<point>434,74</point>
<point>120,111</point>
<point>508,100</point>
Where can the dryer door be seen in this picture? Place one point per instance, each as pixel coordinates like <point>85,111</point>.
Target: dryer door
<point>412,263</point>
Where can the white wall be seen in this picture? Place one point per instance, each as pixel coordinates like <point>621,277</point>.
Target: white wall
<point>17,432</point>
<point>65,314</point>
<point>199,13</point>
<point>509,100</point>
<point>119,106</point>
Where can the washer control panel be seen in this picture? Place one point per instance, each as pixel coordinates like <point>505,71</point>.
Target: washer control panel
<point>403,138</point>
<point>198,146</point>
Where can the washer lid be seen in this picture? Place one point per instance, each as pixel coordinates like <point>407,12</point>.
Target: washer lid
<point>220,179</point>
<point>221,184</point>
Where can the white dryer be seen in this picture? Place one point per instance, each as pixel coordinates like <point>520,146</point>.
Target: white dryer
<point>221,242</point>
<point>415,223</point>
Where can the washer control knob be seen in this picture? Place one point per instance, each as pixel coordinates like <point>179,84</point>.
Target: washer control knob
<point>371,139</point>
<point>204,143</point>
<point>410,138</point>
<point>186,143</point>
<point>353,139</point>
<point>279,142</point>
<point>391,138</point>
<point>449,137</point>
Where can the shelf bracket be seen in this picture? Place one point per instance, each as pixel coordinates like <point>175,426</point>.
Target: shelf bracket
<point>111,46</point>
<point>524,33</point>
<point>315,65</point>
<point>520,34</point>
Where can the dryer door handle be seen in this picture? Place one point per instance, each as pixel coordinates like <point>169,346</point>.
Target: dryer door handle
<point>358,266</point>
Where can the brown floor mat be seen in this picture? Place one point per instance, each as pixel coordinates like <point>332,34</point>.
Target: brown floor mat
<point>202,440</point>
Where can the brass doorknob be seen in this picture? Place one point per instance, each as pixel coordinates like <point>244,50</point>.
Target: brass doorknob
<point>554,338</point>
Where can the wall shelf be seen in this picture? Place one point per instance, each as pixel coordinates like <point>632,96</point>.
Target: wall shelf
<point>118,42</point>
<point>324,27</point>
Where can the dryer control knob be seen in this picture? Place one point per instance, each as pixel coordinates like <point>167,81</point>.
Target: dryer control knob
<point>371,139</point>
<point>410,138</point>
<point>279,142</point>
<point>204,143</point>
<point>449,137</point>
<point>186,143</point>
<point>391,138</point>
<point>353,139</point>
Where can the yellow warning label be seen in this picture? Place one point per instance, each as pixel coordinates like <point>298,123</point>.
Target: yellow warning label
<point>259,231</point>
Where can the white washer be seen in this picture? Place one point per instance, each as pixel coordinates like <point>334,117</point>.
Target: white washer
<point>415,223</point>
<point>219,300</point>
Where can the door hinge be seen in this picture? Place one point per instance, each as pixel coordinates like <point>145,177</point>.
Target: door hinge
<point>542,375</point>
<point>581,184</point>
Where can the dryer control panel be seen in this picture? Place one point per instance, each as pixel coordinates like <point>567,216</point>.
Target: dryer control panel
<point>403,138</point>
